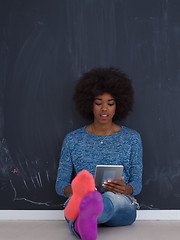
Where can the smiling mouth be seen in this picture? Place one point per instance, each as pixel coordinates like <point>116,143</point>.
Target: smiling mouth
<point>104,115</point>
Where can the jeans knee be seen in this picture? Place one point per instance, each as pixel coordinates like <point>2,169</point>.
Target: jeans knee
<point>110,196</point>
<point>124,200</point>
<point>122,217</point>
<point>118,200</point>
<point>124,209</point>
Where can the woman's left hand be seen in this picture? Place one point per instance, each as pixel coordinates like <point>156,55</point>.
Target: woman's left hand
<point>118,186</point>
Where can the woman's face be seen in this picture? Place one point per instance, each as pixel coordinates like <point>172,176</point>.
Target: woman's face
<point>104,108</point>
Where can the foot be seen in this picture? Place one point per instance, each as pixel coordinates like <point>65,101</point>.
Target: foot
<point>81,185</point>
<point>90,208</point>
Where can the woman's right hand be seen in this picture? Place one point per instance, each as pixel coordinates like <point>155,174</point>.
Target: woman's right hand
<point>118,186</point>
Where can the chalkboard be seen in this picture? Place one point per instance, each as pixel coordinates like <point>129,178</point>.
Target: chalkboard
<point>45,46</point>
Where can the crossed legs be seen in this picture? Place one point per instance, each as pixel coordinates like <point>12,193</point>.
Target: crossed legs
<point>88,207</point>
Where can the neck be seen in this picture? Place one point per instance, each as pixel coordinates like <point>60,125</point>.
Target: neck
<point>102,129</point>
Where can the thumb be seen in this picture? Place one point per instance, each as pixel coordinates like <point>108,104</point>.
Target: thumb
<point>122,178</point>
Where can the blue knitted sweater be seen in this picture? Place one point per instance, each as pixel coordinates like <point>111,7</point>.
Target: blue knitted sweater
<point>84,150</point>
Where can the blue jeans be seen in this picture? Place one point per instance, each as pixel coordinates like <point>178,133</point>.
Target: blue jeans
<point>119,210</point>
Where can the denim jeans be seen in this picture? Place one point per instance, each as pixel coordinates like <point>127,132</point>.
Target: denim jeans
<point>118,210</point>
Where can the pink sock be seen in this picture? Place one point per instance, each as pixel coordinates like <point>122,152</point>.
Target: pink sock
<point>81,185</point>
<point>89,209</point>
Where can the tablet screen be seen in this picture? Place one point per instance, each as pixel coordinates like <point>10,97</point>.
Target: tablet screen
<point>106,172</point>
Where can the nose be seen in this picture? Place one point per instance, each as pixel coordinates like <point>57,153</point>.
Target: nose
<point>103,107</point>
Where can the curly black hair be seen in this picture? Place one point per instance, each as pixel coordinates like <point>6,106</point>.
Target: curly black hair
<point>104,80</point>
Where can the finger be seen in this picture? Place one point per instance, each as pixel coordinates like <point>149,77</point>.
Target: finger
<point>115,188</point>
<point>111,189</point>
<point>114,191</point>
<point>115,183</point>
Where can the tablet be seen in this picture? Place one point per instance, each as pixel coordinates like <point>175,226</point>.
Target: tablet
<point>106,172</point>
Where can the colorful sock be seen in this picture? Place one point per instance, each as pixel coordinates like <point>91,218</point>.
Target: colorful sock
<point>90,208</point>
<point>81,185</point>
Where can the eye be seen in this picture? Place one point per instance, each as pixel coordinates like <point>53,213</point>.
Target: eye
<point>111,104</point>
<point>98,104</point>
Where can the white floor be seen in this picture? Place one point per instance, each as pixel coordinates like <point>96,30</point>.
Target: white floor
<point>58,230</point>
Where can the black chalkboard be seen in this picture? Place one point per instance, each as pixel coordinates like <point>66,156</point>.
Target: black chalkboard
<point>45,46</point>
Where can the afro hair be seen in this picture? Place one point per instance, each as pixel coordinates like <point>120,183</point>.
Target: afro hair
<point>104,80</point>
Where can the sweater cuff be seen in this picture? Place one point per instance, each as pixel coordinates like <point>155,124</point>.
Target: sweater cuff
<point>136,189</point>
<point>60,189</point>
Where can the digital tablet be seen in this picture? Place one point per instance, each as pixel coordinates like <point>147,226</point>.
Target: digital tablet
<point>106,172</point>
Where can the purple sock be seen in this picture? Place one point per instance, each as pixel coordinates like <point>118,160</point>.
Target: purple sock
<point>89,209</point>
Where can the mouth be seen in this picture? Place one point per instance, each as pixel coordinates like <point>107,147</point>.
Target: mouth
<point>104,116</point>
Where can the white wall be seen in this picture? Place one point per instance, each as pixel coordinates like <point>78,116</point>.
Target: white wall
<point>59,215</point>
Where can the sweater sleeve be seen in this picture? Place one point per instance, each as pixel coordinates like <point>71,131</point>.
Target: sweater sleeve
<point>65,168</point>
<point>136,166</point>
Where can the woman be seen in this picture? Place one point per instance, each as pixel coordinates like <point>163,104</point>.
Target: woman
<point>102,95</point>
